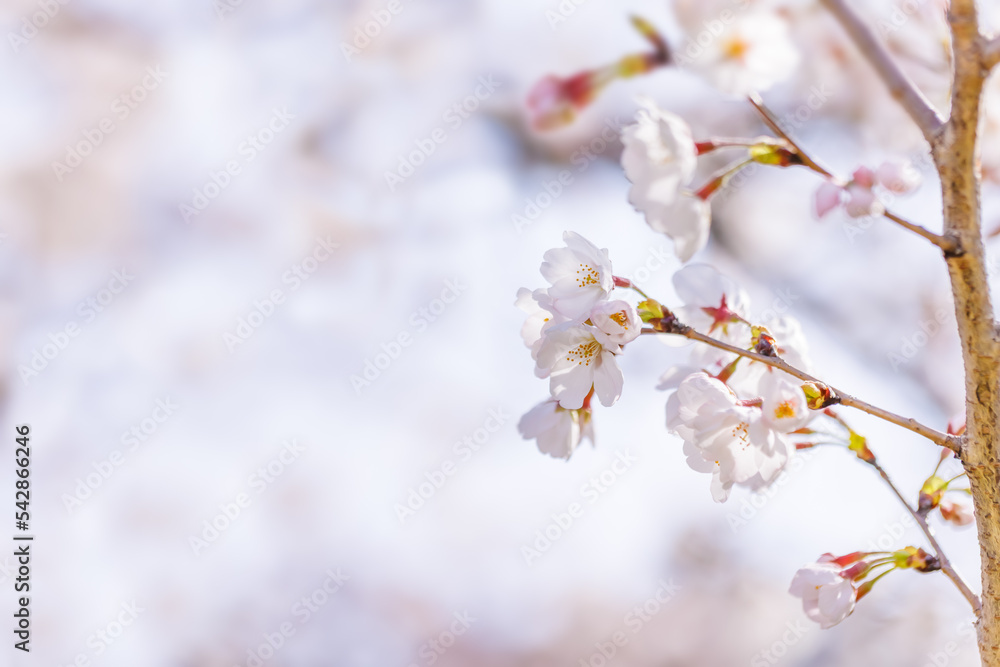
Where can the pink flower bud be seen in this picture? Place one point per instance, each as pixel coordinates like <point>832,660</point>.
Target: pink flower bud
<point>828,197</point>
<point>898,176</point>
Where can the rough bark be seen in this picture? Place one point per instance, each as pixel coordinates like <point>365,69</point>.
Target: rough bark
<point>956,155</point>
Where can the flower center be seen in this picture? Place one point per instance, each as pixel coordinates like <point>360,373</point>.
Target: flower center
<point>621,318</point>
<point>587,276</point>
<point>735,48</point>
<point>742,433</point>
<point>584,353</point>
<point>784,411</point>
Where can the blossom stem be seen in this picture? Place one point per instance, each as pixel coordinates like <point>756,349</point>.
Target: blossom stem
<point>636,288</point>
<point>719,179</point>
<point>948,245</point>
<point>935,436</point>
<point>946,566</point>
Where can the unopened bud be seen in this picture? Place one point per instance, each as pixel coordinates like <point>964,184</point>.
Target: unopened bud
<point>912,558</point>
<point>931,493</point>
<point>819,396</point>
<point>649,310</point>
<point>775,155</point>
<point>763,342</point>
<point>859,445</point>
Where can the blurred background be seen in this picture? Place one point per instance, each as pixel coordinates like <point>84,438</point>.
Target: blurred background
<point>273,391</point>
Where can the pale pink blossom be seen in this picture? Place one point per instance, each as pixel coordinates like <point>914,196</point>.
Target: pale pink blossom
<point>898,176</point>
<point>580,277</point>
<point>578,358</point>
<point>725,436</point>
<point>558,431</point>
<point>827,596</point>
<point>618,320</point>
<point>958,512</point>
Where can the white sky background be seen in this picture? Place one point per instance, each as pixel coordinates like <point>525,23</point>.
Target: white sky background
<point>333,507</point>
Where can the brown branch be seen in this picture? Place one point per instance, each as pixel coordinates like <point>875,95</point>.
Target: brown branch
<point>948,244</point>
<point>900,86</point>
<point>946,565</point>
<point>935,436</point>
<point>956,156</point>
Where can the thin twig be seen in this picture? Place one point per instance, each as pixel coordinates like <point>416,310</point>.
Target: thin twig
<point>948,245</point>
<point>935,436</point>
<point>900,86</point>
<point>946,566</point>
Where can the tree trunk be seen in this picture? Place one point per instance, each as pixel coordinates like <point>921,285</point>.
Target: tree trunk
<point>956,155</point>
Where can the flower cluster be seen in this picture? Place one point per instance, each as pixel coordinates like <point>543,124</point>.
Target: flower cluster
<point>575,332</point>
<point>859,197</point>
<point>830,587</point>
<point>738,418</point>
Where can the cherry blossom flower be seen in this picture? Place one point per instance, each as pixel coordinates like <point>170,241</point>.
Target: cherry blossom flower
<point>618,320</point>
<point>827,596</point>
<point>555,101</point>
<point>686,221</point>
<point>898,176</point>
<point>783,403</point>
<point>712,302</point>
<point>659,158</point>
<point>580,277</point>
<point>725,435</point>
<point>862,201</point>
<point>858,197</point>
<point>558,431</point>
<point>751,54</point>
<point>539,319</point>
<point>958,512</point>
<point>828,197</point>
<point>576,358</point>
